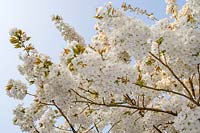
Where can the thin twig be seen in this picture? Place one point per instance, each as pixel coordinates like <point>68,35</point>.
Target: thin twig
<point>143,98</point>
<point>138,10</point>
<point>159,131</point>
<point>87,90</point>
<point>96,127</point>
<point>30,94</point>
<point>62,128</point>
<point>192,86</point>
<point>130,107</point>
<point>62,113</point>
<point>113,125</point>
<point>92,127</point>
<point>36,129</point>
<point>83,109</point>
<point>163,90</point>
<point>80,95</point>
<point>48,104</point>
<point>129,100</point>
<point>88,101</point>
<point>198,67</point>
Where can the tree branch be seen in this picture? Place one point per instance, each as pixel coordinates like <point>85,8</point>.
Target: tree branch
<point>138,10</point>
<point>96,127</point>
<point>35,129</point>
<point>176,77</point>
<point>62,129</point>
<point>192,86</point>
<point>62,113</point>
<point>157,129</point>
<point>88,101</point>
<point>198,67</point>
<point>114,125</point>
<point>131,107</point>
<point>163,90</point>
<point>95,124</point>
<point>31,94</point>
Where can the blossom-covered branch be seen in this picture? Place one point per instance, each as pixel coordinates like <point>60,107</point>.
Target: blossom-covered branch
<point>132,77</point>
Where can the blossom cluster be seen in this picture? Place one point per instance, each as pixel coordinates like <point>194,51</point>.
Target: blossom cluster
<point>172,8</point>
<point>188,120</point>
<point>68,32</point>
<point>16,89</point>
<point>194,6</point>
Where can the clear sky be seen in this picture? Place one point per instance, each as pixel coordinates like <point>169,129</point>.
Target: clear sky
<point>34,17</point>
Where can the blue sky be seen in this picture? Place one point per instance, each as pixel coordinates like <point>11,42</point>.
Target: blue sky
<point>34,17</point>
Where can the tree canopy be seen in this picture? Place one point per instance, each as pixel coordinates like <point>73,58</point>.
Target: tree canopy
<point>131,78</point>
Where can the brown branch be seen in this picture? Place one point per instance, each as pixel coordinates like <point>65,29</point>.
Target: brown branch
<point>88,101</point>
<point>36,129</point>
<point>130,107</point>
<point>96,127</point>
<point>198,67</point>
<point>103,100</point>
<point>138,100</point>
<point>192,86</point>
<point>87,90</point>
<point>143,100</point>
<point>93,126</point>
<point>62,113</point>
<point>79,128</point>
<point>165,59</point>
<point>134,112</point>
<point>129,100</point>
<point>83,109</point>
<point>113,125</point>
<point>159,55</point>
<point>80,95</point>
<point>157,129</point>
<point>30,94</point>
<point>176,77</point>
<point>164,90</point>
<point>48,104</point>
<point>138,10</point>
<point>165,125</point>
<point>61,128</point>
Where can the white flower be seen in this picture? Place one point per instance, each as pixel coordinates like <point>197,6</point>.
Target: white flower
<point>188,120</point>
<point>194,6</point>
<point>100,11</point>
<point>12,31</point>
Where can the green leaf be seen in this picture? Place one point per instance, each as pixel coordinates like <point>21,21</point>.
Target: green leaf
<point>78,49</point>
<point>95,94</point>
<point>14,39</point>
<point>28,38</point>
<point>47,63</point>
<point>31,82</point>
<point>98,17</point>
<point>160,40</point>
<point>150,61</point>
<point>17,45</point>
<point>69,60</point>
<point>127,113</point>
<point>196,54</point>
<point>116,82</point>
<point>162,52</point>
<point>140,83</point>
